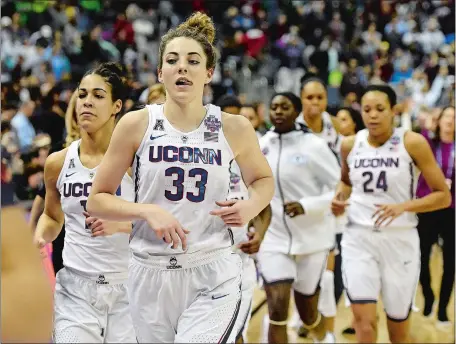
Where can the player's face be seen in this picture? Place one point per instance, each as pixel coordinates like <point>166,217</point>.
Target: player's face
<point>94,105</point>
<point>184,72</point>
<point>251,115</point>
<point>282,113</point>
<point>447,121</point>
<point>377,112</point>
<point>347,126</point>
<point>314,99</point>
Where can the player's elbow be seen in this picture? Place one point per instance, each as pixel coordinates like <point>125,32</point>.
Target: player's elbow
<point>93,203</point>
<point>446,202</point>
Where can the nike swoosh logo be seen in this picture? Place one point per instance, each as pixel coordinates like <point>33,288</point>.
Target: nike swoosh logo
<point>152,137</point>
<point>69,175</point>
<point>218,297</point>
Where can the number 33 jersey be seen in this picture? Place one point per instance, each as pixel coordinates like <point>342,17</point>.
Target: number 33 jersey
<point>183,173</point>
<point>380,175</point>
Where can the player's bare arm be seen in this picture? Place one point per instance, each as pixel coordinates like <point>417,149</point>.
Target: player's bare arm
<point>440,197</point>
<point>125,141</point>
<point>256,173</point>
<point>103,203</point>
<point>343,189</point>
<point>51,221</point>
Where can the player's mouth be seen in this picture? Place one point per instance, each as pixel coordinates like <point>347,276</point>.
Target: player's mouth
<point>183,83</point>
<point>279,120</point>
<point>373,125</point>
<point>86,114</point>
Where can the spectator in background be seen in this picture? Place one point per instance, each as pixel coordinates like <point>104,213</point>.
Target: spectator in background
<point>439,223</point>
<point>23,127</point>
<point>157,94</point>
<point>250,111</point>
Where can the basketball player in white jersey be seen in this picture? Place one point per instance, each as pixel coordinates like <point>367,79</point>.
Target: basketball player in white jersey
<point>380,244</point>
<point>184,279</point>
<point>314,99</point>
<point>91,303</point>
<point>295,248</point>
<point>246,242</point>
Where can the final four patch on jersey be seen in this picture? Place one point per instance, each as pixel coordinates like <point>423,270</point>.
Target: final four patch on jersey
<point>265,150</point>
<point>211,137</point>
<point>184,139</point>
<point>159,125</point>
<point>212,123</point>
<point>395,140</point>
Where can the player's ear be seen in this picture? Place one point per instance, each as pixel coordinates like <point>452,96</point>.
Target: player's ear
<point>160,75</point>
<point>210,74</point>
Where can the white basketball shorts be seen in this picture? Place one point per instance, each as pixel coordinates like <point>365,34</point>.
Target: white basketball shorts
<point>386,261</point>
<point>91,309</point>
<point>304,271</point>
<point>247,287</point>
<point>188,298</point>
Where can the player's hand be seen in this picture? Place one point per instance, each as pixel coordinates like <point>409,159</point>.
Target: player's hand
<point>233,212</point>
<point>253,244</point>
<point>166,227</point>
<point>386,213</point>
<point>293,209</point>
<point>338,205</point>
<point>101,227</point>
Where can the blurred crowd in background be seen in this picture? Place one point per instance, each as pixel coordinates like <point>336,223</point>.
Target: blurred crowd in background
<point>264,46</point>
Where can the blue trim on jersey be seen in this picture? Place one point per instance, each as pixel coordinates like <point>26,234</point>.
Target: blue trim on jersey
<point>412,181</point>
<point>138,165</point>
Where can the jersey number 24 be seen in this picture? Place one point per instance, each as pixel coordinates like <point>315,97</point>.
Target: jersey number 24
<point>178,175</point>
<point>380,184</point>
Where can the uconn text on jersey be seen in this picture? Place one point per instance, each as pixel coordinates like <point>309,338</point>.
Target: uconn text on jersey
<point>185,154</point>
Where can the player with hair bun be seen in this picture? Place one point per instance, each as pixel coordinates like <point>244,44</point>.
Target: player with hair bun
<point>184,278</point>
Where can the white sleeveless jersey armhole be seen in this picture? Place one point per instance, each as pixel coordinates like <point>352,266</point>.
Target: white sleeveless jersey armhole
<point>183,173</point>
<point>82,252</point>
<point>381,175</point>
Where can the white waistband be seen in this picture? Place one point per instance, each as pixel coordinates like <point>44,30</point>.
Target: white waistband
<point>356,227</point>
<point>181,261</point>
<point>102,278</point>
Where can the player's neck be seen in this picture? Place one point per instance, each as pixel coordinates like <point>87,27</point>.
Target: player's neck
<point>315,123</point>
<point>380,140</point>
<point>447,136</point>
<point>97,143</point>
<point>185,117</point>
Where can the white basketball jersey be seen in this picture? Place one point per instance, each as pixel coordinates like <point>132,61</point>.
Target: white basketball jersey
<point>183,173</point>
<point>82,252</point>
<point>380,175</point>
<point>328,132</point>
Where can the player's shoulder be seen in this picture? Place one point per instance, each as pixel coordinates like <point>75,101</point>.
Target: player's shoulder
<point>233,123</point>
<point>135,119</point>
<point>414,142</point>
<point>347,144</point>
<point>54,163</point>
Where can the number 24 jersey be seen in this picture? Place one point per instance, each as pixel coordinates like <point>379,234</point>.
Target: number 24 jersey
<point>380,175</point>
